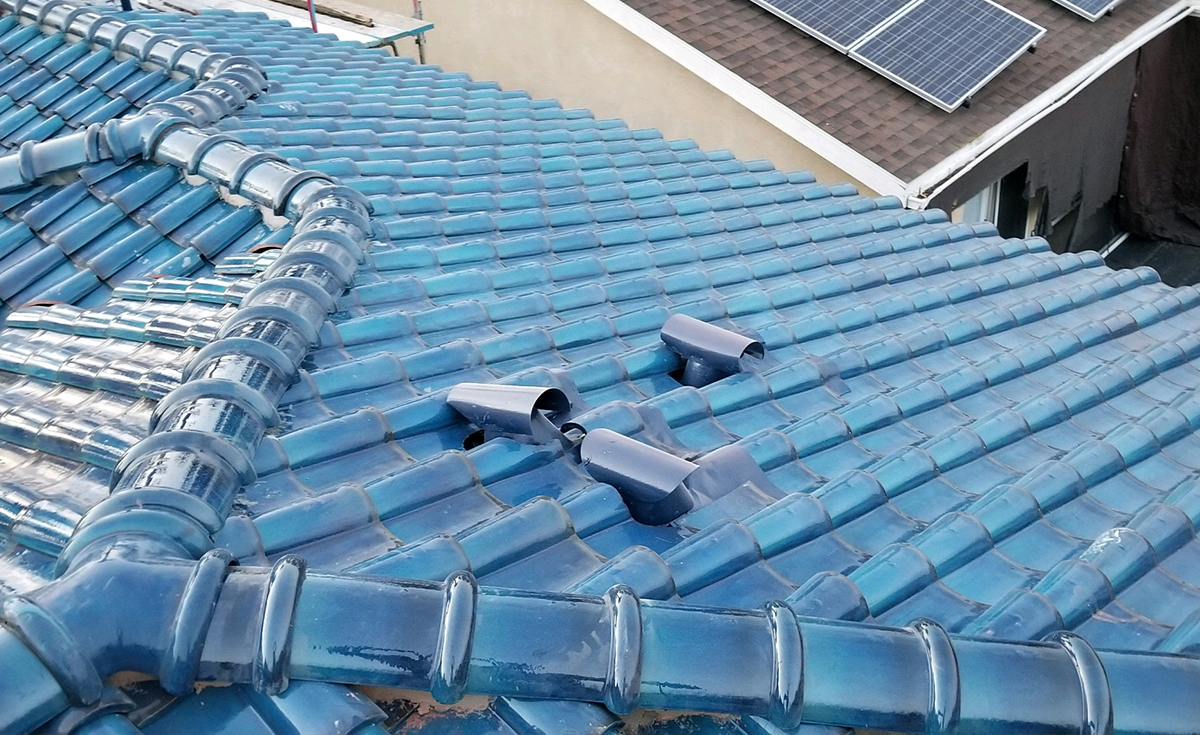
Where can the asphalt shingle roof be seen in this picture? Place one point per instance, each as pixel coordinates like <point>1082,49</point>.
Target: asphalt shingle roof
<point>889,125</point>
<point>946,425</point>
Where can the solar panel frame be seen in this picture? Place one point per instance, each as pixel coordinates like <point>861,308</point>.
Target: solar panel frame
<point>1080,9</point>
<point>923,94</point>
<point>825,38</point>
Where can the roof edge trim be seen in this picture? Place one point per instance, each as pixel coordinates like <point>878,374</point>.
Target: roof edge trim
<point>787,121</point>
<point>924,188</point>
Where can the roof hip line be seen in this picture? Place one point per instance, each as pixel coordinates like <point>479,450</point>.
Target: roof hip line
<point>226,82</point>
<point>467,639</point>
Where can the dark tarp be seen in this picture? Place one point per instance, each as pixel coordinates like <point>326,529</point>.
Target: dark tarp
<point>1160,177</point>
<point>1073,154</point>
<point>1178,265</point>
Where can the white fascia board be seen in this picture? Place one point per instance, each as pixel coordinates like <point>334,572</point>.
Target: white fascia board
<point>753,99</point>
<point>928,185</point>
<point>920,191</point>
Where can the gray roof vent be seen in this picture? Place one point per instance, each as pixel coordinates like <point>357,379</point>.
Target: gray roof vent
<point>711,352</point>
<point>649,480</point>
<point>510,409</point>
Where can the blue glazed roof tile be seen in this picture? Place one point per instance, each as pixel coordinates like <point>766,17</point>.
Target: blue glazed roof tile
<point>943,425</point>
<point>109,87</point>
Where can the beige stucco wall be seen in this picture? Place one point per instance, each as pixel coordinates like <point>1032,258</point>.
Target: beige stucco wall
<point>567,50</point>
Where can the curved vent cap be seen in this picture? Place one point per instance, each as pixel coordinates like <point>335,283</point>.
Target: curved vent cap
<point>711,352</point>
<point>511,409</point>
<point>649,480</point>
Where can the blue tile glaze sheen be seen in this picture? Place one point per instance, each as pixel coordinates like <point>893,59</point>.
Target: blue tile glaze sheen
<point>533,406</point>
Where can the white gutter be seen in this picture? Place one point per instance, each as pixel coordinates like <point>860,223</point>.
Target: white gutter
<point>934,181</point>
<point>917,193</point>
<point>1114,244</point>
<point>752,98</point>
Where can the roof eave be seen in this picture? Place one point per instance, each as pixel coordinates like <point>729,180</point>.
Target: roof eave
<point>787,121</point>
<point>922,190</point>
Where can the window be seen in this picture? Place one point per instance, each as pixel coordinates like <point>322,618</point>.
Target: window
<point>1002,203</point>
<point>979,208</point>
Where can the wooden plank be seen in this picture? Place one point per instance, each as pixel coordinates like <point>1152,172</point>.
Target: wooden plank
<point>332,12</point>
<point>386,27</point>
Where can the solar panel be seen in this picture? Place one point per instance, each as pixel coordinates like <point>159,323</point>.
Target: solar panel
<point>1090,9</point>
<point>945,50</point>
<point>839,23</point>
